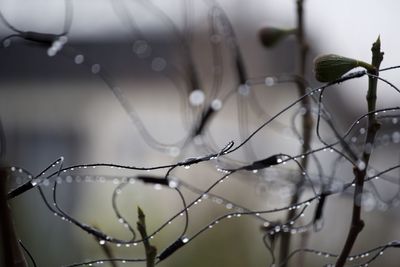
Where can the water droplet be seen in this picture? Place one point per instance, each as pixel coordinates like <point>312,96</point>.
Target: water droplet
<point>46,183</point>
<point>141,48</point>
<point>361,165</point>
<point>216,104</point>
<point>102,242</point>
<point>396,137</point>
<point>95,68</point>
<point>51,52</point>
<point>34,182</point>
<point>157,187</point>
<point>158,64</point>
<point>185,240</point>
<point>244,89</point>
<point>270,81</point>
<point>173,184</point>
<point>57,45</point>
<point>6,42</point>
<point>218,201</point>
<point>196,97</point>
<point>79,59</point>
<point>63,39</point>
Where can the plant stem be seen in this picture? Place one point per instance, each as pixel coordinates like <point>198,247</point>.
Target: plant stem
<point>151,251</point>
<point>307,123</point>
<point>106,249</point>
<point>12,253</point>
<point>357,224</point>
<point>9,245</point>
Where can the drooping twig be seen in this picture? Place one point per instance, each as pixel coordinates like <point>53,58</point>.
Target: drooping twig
<point>357,224</point>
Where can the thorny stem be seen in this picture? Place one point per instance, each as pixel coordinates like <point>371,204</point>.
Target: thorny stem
<point>357,224</point>
<point>307,124</point>
<point>151,251</point>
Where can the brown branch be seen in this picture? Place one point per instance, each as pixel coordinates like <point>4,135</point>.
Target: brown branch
<point>151,251</point>
<point>357,224</point>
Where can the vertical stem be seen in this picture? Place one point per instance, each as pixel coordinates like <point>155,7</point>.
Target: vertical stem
<point>12,253</point>
<point>9,245</point>
<point>307,123</point>
<point>357,224</point>
<point>151,251</point>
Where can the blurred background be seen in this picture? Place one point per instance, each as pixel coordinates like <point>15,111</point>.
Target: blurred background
<point>128,85</point>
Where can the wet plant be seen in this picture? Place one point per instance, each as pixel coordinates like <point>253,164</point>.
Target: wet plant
<point>312,179</point>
